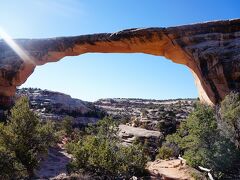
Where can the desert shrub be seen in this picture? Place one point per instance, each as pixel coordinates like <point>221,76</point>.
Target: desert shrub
<point>106,128</point>
<point>10,167</point>
<point>138,140</point>
<point>165,152</point>
<point>144,126</point>
<point>100,152</point>
<point>25,137</point>
<point>144,112</point>
<point>161,126</point>
<point>196,175</point>
<point>202,143</point>
<point>102,156</point>
<point>67,125</point>
<point>229,120</point>
<point>136,122</point>
<point>125,120</point>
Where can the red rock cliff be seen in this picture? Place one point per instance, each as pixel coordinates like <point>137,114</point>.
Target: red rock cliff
<point>211,50</point>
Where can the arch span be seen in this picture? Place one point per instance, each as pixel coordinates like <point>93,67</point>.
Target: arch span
<point>211,50</point>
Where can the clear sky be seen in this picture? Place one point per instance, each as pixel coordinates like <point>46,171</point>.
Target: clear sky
<point>94,76</point>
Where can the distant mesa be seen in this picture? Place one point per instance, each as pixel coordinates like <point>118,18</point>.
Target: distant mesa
<point>210,50</point>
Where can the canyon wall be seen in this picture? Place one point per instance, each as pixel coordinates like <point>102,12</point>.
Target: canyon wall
<point>210,50</point>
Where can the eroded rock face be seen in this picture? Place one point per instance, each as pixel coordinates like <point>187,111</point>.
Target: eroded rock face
<point>55,106</point>
<point>211,50</point>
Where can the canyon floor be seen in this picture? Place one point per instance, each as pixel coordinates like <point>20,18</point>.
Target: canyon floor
<point>140,119</point>
<point>54,167</point>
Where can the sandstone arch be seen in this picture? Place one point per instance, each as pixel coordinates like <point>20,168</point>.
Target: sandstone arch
<point>211,50</point>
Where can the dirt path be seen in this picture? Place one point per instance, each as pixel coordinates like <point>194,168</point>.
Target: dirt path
<point>170,169</point>
<point>54,165</point>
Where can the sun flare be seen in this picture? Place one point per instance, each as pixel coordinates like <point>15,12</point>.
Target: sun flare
<point>15,47</point>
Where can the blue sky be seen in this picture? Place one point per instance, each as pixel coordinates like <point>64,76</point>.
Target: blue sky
<point>94,76</point>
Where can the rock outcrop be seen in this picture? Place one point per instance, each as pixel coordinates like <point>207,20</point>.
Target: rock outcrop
<point>151,139</point>
<point>55,106</point>
<point>163,115</point>
<point>211,50</point>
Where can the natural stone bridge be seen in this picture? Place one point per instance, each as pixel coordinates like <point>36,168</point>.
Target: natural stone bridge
<point>211,50</point>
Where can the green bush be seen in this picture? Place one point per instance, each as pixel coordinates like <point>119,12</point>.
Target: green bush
<point>202,143</point>
<point>229,120</point>
<point>9,166</point>
<point>67,125</point>
<point>106,128</point>
<point>102,156</point>
<point>102,153</point>
<point>161,126</point>
<point>25,138</point>
<point>165,152</point>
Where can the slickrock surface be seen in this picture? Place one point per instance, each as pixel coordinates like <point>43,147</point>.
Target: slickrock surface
<point>54,165</point>
<point>129,135</point>
<point>172,169</point>
<point>211,50</point>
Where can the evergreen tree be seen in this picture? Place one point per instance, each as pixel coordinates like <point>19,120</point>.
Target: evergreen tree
<point>229,120</point>
<point>25,136</point>
<point>202,143</point>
